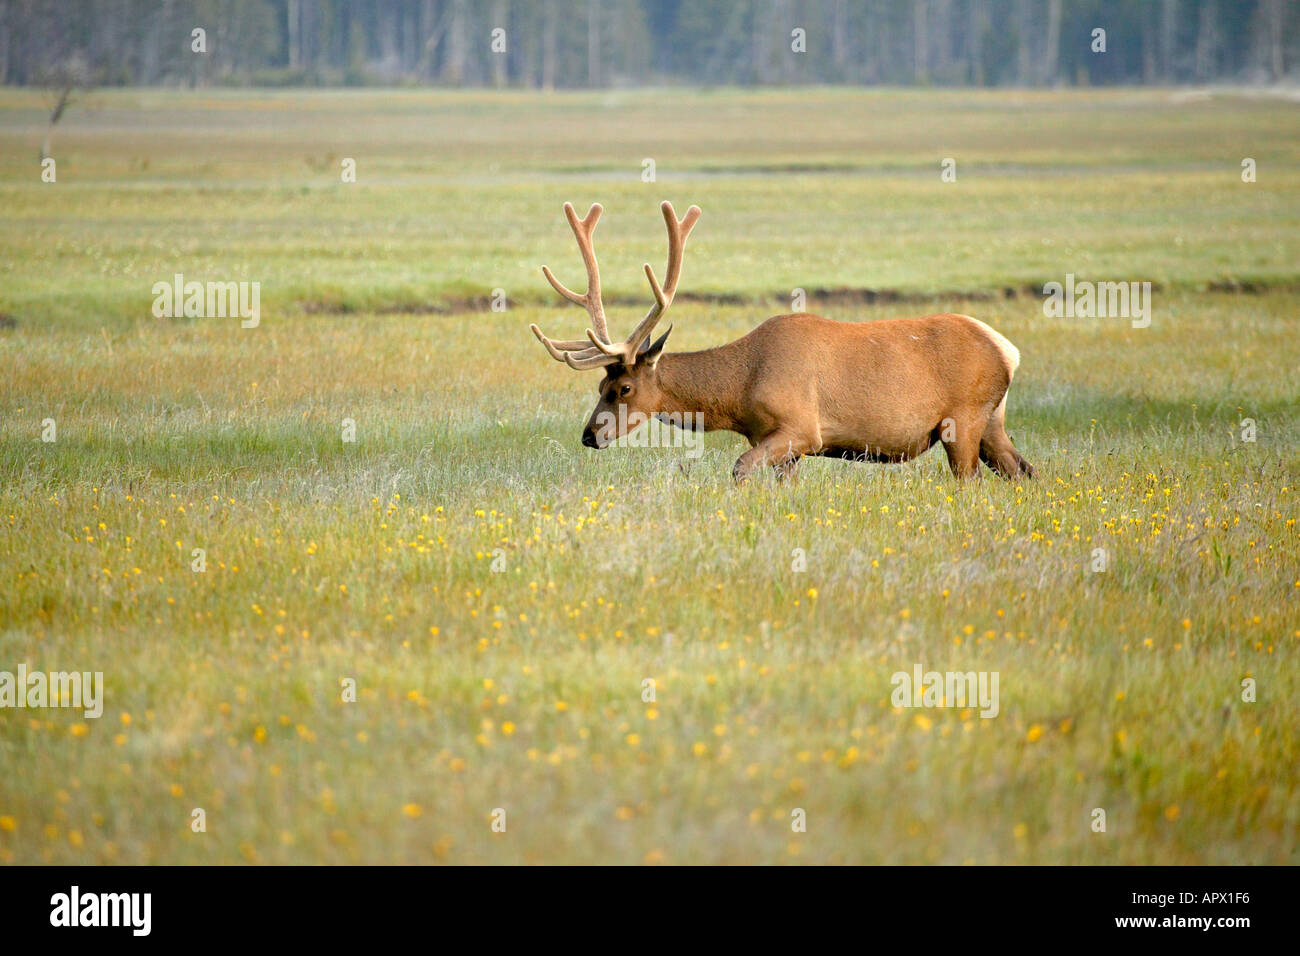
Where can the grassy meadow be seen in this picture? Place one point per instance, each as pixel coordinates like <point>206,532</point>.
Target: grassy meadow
<point>500,595</point>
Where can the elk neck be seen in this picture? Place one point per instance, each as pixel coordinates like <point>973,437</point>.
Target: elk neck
<point>709,382</point>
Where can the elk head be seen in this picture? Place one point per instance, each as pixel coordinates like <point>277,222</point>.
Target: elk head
<point>629,390</point>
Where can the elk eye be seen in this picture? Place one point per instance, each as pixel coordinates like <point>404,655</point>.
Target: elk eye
<point>625,389</point>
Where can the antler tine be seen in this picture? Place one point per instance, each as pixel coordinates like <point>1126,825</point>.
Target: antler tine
<point>678,230</point>
<point>597,360</point>
<point>604,347</point>
<point>558,350</point>
<point>558,287</point>
<point>590,300</point>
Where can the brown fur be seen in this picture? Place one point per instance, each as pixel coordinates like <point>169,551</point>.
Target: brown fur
<point>804,385</point>
<point>799,384</point>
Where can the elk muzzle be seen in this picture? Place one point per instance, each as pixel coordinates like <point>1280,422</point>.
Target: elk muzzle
<point>607,425</point>
<point>602,428</point>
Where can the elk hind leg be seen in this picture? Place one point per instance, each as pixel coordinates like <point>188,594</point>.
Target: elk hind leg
<point>996,449</point>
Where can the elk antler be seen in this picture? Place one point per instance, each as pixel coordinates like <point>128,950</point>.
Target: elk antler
<point>598,350</point>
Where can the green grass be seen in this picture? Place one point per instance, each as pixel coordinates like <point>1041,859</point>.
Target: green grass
<point>459,194</point>
<point>522,689</point>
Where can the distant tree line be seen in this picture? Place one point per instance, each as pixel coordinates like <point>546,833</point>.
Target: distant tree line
<point>604,43</point>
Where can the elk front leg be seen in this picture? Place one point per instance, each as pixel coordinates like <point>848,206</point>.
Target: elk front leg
<point>998,453</point>
<point>780,449</point>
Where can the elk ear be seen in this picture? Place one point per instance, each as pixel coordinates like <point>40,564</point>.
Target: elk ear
<point>649,356</point>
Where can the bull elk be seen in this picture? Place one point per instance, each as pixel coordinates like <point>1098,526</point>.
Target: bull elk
<point>800,384</point>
